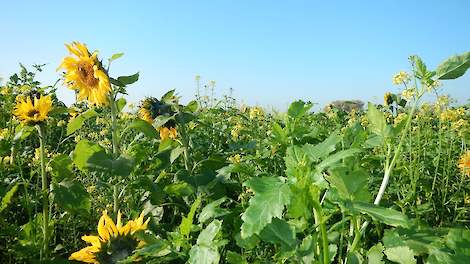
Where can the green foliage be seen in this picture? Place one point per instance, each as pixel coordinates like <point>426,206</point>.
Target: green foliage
<point>76,123</point>
<point>240,185</point>
<point>271,195</point>
<point>453,67</point>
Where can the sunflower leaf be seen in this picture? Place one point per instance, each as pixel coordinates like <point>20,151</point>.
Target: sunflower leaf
<point>77,123</point>
<point>271,195</point>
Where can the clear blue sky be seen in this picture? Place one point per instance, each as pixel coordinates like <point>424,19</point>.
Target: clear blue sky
<point>270,52</point>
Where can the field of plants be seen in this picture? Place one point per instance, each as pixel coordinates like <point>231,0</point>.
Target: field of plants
<point>106,181</point>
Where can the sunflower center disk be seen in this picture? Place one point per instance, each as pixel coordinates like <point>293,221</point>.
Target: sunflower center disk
<point>86,73</point>
<point>32,113</point>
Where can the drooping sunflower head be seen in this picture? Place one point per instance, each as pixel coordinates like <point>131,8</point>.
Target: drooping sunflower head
<point>85,74</point>
<point>114,242</point>
<point>464,163</point>
<point>151,107</point>
<point>32,110</point>
<point>388,98</point>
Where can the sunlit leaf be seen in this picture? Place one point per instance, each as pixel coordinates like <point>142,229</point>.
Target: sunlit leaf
<point>271,195</point>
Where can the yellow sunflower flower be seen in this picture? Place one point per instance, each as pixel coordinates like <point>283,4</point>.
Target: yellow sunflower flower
<point>32,111</point>
<point>145,115</point>
<point>464,163</point>
<point>388,99</point>
<point>85,74</point>
<point>151,107</point>
<point>114,242</point>
<point>166,132</point>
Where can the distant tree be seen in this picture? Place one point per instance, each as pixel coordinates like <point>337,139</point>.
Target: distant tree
<point>345,105</point>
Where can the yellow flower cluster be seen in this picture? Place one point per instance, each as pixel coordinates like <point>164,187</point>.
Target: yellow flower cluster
<point>235,158</point>
<point>400,118</point>
<point>235,132</point>
<point>4,133</point>
<point>256,112</point>
<point>5,161</point>
<point>400,78</point>
<point>61,123</point>
<point>443,100</point>
<point>408,94</point>
<point>364,121</point>
<point>464,163</point>
<point>5,91</point>
<point>452,115</point>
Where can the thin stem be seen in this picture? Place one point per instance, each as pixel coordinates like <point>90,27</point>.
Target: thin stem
<point>357,234</point>
<point>115,142</point>
<point>114,134</point>
<point>320,221</point>
<point>390,167</point>
<point>45,195</point>
<point>397,152</point>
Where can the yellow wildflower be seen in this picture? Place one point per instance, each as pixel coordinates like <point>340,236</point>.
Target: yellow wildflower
<point>464,163</point>
<point>400,78</point>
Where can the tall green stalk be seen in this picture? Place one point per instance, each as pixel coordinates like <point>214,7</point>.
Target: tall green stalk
<point>115,142</point>
<point>45,195</point>
<point>320,221</point>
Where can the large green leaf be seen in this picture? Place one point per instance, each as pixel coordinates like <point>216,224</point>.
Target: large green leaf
<point>323,149</point>
<point>61,167</point>
<point>91,156</point>
<point>88,155</point>
<point>271,195</point>
<point>351,183</point>
<point>77,122</point>
<point>338,156</point>
<point>120,104</point>
<point>401,255</point>
<point>144,127</point>
<point>122,81</point>
<point>279,232</point>
<point>213,210</point>
<point>206,249</point>
<point>388,216</point>
<point>179,189</point>
<point>22,132</point>
<point>376,120</point>
<point>298,109</point>
<point>421,241</point>
<point>453,67</point>
<point>71,196</point>
<point>375,254</point>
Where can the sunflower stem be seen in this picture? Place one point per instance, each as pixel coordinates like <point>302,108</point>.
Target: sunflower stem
<point>115,142</point>
<point>45,195</point>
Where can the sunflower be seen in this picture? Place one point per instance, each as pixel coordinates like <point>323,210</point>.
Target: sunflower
<point>151,107</point>
<point>146,115</point>
<point>32,110</point>
<point>114,242</point>
<point>168,132</point>
<point>85,74</point>
<point>464,163</point>
<point>388,99</point>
